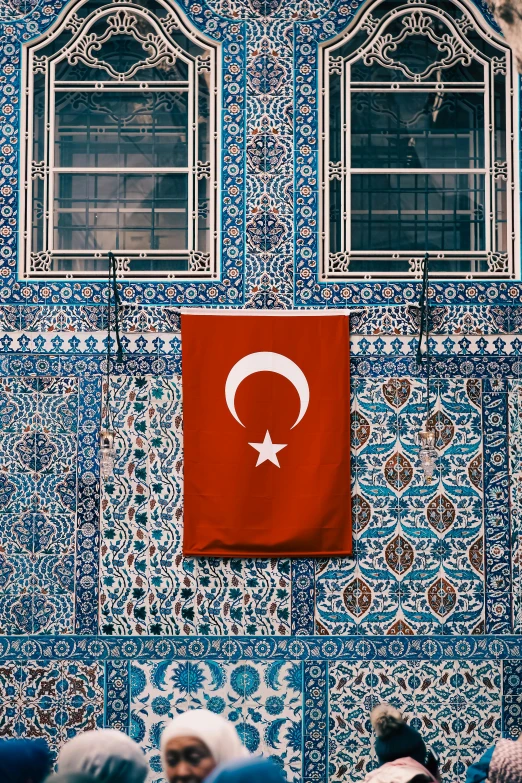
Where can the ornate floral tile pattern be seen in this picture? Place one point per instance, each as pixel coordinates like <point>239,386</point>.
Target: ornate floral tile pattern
<point>416,570</point>
<point>515,469</point>
<point>456,320</point>
<point>512,699</point>
<point>270,58</point>
<point>147,584</point>
<point>310,715</point>
<point>38,451</point>
<point>455,705</point>
<point>262,699</point>
<point>418,550</point>
<point>50,699</point>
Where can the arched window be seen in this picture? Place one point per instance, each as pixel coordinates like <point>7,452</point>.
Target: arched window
<point>121,144</point>
<point>419,107</point>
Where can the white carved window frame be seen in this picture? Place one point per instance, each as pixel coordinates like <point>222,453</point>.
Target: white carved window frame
<point>36,263</point>
<point>501,265</point>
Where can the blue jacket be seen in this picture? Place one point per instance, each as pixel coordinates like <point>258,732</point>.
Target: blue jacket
<point>252,770</point>
<point>478,772</point>
<point>23,760</point>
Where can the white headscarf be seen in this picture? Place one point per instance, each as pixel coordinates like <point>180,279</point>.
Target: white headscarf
<point>109,756</point>
<point>219,735</point>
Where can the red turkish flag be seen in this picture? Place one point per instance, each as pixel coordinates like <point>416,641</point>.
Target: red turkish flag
<point>266,401</point>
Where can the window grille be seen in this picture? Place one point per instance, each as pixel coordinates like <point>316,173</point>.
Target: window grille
<point>418,151</point>
<point>120,113</point>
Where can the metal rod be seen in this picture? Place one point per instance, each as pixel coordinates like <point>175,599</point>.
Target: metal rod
<point>424,328</point>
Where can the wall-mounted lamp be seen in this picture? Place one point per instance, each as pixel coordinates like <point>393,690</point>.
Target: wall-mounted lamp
<point>107,453</point>
<point>427,453</point>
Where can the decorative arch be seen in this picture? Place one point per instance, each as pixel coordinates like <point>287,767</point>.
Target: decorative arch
<point>121,128</point>
<point>418,145</point>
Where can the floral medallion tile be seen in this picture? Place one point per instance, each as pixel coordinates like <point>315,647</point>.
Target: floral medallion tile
<point>263,700</point>
<point>418,564</point>
<point>82,699</point>
<point>273,713</point>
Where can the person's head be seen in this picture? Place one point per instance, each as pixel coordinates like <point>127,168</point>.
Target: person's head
<point>196,742</point>
<point>187,759</point>
<point>253,770</point>
<point>107,755</point>
<point>506,762</point>
<point>24,760</point>
<point>394,738</point>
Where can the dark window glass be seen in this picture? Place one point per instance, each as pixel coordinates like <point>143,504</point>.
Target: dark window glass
<point>417,130</point>
<point>121,211</point>
<point>121,130</point>
<point>417,212</point>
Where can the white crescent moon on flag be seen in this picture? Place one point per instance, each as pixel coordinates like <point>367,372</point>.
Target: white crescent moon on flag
<point>267,361</point>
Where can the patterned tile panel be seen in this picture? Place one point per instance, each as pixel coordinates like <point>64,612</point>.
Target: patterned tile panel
<point>262,699</point>
<point>117,695</point>
<point>499,606</point>
<point>515,469</point>
<point>455,705</point>
<point>476,320</point>
<point>269,159</point>
<point>147,584</point>
<point>512,699</point>
<point>38,462</point>
<point>62,321</point>
<point>381,341</point>
<point>316,723</point>
<point>418,553</point>
<point>51,699</point>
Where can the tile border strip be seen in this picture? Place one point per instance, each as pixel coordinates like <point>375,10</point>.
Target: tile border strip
<point>497,517</point>
<point>303,597</point>
<point>378,366</point>
<point>117,695</point>
<point>315,722</point>
<point>88,507</point>
<point>304,648</point>
<point>168,343</point>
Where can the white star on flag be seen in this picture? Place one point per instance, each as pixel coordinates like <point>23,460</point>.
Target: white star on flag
<point>268,450</point>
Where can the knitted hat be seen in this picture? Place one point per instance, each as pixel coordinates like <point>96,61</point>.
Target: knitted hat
<point>395,739</point>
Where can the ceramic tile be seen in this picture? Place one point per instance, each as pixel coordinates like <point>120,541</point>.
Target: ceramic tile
<point>418,549</point>
<point>426,560</point>
<point>185,595</point>
<point>262,699</point>
<point>455,706</point>
<point>51,699</point>
<point>515,466</point>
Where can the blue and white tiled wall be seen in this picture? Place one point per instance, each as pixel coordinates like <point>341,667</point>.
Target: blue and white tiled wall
<point>102,620</point>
